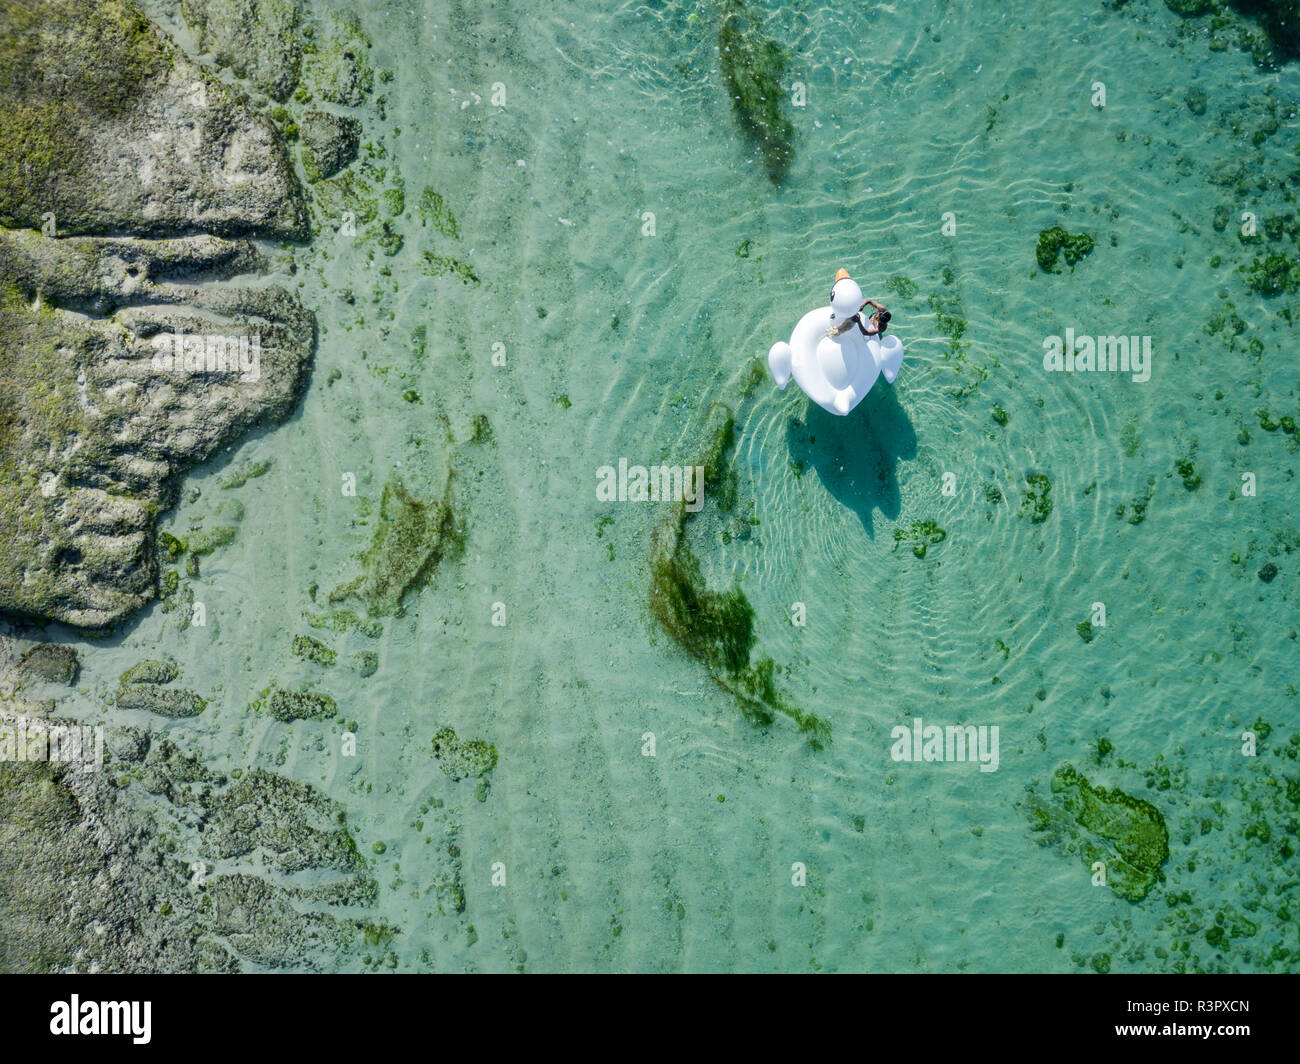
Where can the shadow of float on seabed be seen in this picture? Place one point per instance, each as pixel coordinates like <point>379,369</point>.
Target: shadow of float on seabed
<point>856,457</point>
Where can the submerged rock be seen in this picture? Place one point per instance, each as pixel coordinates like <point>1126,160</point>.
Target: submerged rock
<point>150,672</point>
<point>257,40</point>
<point>329,143</point>
<point>313,650</point>
<point>1278,40</point>
<point>300,705</point>
<point>165,701</point>
<point>49,662</point>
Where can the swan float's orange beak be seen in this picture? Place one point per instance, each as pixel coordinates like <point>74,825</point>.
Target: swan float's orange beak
<point>841,274</point>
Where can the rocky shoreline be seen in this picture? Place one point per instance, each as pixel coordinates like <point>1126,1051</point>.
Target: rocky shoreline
<point>138,337</point>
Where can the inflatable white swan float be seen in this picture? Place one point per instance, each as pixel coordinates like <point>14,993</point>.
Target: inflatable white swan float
<point>835,372</point>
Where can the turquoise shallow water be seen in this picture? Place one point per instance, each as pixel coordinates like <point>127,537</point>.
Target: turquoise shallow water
<point>683,861</point>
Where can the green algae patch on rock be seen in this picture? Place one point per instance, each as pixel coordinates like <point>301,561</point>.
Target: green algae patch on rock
<point>313,650</point>
<point>344,621</point>
<point>300,705</point>
<point>150,672</point>
<point>1277,40</point>
<point>365,663</point>
<point>298,827</point>
<point>1055,242</point>
<point>463,759</point>
<point>337,67</point>
<point>411,540</point>
<point>752,69</point>
<point>205,541</point>
<point>1127,834</point>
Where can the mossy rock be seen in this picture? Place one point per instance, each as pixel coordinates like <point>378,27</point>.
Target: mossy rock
<point>329,143</point>
<point>365,663</point>
<point>1278,21</point>
<point>337,67</point>
<point>206,541</point>
<point>256,40</point>
<point>242,476</point>
<point>300,705</point>
<point>165,701</point>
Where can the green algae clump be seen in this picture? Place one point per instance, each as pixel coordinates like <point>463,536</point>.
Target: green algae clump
<point>752,68</point>
<point>442,265</point>
<point>1127,834</point>
<point>463,759</point>
<point>717,627</point>
<point>1273,275</point>
<point>313,650</point>
<point>920,536</point>
<point>244,474</point>
<point>1037,503</point>
<point>1055,242</point>
<point>412,538</point>
<point>300,705</point>
<point>433,210</point>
